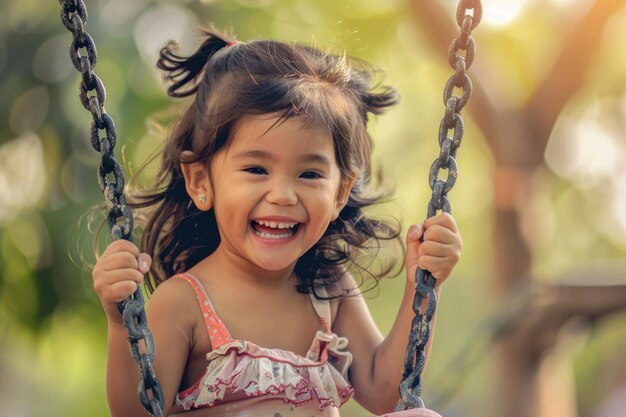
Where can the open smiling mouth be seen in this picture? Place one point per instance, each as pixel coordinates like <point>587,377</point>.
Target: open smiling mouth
<point>274,230</point>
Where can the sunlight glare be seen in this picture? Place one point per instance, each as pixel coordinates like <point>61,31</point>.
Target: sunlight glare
<point>564,2</point>
<point>22,175</point>
<point>159,24</point>
<point>502,12</point>
<point>586,152</point>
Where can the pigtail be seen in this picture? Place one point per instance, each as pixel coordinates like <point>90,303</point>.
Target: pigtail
<point>372,102</point>
<point>377,103</point>
<point>181,70</point>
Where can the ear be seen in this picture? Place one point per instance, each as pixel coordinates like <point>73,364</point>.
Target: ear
<point>197,181</point>
<point>343,194</point>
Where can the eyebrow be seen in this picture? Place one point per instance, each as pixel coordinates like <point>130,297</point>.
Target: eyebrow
<point>259,154</point>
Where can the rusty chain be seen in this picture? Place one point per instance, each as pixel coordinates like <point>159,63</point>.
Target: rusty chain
<point>119,217</point>
<point>468,16</point>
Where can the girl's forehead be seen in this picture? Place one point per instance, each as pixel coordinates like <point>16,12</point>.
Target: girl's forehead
<point>270,130</point>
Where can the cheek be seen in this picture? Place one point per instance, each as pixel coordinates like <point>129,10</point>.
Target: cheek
<point>323,198</point>
<point>231,202</point>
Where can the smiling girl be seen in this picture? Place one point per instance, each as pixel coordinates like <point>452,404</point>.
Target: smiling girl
<point>256,219</point>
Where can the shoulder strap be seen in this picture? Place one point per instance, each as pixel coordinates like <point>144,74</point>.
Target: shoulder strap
<point>322,307</point>
<point>218,333</point>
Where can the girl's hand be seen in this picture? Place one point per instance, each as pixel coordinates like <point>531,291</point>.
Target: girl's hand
<point>438,253</point>
<point>117,273</point>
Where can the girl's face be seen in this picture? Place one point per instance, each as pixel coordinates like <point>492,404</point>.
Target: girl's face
<point>275,189</point>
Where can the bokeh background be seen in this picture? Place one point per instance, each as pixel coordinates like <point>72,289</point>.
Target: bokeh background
<point>533,321</point>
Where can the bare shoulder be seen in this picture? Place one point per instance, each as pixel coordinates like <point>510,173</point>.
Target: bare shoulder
<point>172,290</point>
<point>175,300</point>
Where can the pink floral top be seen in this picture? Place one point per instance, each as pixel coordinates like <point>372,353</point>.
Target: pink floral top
<point>239,370</point>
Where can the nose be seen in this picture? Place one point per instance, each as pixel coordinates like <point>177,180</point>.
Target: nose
<point>282,192</point>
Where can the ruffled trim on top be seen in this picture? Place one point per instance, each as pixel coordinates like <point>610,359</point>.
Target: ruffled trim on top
<point>243,367</point>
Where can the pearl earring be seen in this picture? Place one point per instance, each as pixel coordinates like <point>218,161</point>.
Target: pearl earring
<point>202,198</point>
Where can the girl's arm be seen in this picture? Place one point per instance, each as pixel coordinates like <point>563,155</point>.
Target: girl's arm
<point>167,320</point>
<point>378,362</point>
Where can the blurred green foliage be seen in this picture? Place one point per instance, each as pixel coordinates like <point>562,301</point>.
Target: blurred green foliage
<point>52,332</point>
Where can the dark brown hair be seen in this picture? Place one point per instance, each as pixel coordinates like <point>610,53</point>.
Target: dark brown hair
<point>228,81</point>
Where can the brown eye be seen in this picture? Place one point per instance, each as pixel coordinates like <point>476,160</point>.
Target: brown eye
<point>310,175</point>
<point>256,170</point>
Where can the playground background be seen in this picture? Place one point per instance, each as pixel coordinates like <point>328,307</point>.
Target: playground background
<point>540,199</point>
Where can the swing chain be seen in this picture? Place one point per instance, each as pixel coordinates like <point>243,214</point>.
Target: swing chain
<point>468,16</point>
<point>119,217</point>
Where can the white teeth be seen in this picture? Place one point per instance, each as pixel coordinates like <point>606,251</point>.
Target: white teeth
<point>276,225</point>
<point>271,236</point>
<point>288,229</point>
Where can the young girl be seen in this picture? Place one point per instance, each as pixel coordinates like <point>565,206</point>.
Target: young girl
<point>252,230</point>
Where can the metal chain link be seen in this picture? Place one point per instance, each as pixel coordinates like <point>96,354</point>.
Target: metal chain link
<point>119,217</point>
<point>468,16</point>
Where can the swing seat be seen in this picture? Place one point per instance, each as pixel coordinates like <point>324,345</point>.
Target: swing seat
<point>416,412</point>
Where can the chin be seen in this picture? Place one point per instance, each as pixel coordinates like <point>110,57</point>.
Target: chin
<point>275,265</point>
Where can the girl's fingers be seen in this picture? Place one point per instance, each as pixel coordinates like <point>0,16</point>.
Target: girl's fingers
<point>119,275</point>
<point>442,219</point>
<point>441,247</point>
<point>440,234</point>
<point>118,260</point>
<point>414,233</point>
<point>113,287</point>
<point>144,262</point>
<point>432,248</point>
<point>440,268</point>
<point>120,291</point>
<point>121,245</point>
<point>413,243</point>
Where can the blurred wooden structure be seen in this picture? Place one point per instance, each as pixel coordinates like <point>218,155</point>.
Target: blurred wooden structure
<point>517,138</point>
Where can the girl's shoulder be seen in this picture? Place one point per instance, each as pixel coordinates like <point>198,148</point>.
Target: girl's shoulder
<point>174,299</point>
<point>172,289</point>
